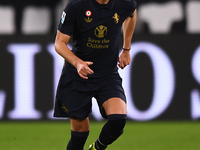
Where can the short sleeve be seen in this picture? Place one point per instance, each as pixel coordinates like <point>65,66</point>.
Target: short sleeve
<point>68,20</point>
<point>133,7</point>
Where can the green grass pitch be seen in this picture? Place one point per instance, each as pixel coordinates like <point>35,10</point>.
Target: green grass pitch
<point>54,135</point>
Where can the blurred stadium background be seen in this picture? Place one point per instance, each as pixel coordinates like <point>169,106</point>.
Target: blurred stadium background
<point>162,83</point>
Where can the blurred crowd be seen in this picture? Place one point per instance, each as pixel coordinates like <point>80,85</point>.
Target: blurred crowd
<point>154,16</point>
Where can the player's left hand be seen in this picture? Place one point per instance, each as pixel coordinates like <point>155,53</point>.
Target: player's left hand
<point>124,59</point>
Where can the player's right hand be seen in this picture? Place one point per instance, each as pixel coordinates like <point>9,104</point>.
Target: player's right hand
<point>84,69</point>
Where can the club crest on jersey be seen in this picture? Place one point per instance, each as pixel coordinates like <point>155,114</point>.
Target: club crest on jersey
<point>63,17</point>
<point>88,13</point>
<point>116,18</point>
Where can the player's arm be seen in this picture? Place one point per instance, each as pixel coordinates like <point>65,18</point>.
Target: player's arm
<point>128,30</point>
<point>63,50</point>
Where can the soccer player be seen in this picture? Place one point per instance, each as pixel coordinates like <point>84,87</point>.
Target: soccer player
<point>90,68</point>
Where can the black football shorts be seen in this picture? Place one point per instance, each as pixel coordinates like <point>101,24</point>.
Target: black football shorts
<point>74,97</point>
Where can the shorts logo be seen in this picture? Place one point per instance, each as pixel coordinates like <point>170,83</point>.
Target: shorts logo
<point>100,31</point>
<point>116,18</point>
<point>63,17</point>
<point>88,13</point>
<point>65,109</point>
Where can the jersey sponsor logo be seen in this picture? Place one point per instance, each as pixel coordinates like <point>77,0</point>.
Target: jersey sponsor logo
<point>116,18</point>
<point>88,13</point>
<point>98,44</point>
<point>102,43</point>
<point>63,17</point>
<point>100,31</point>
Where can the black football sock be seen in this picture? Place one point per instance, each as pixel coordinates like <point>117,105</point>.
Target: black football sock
<point>99,145</point>
<point>77,140</point>
<point>111,130</point>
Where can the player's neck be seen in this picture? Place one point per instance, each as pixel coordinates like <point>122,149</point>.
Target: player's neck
<point>102,1</point>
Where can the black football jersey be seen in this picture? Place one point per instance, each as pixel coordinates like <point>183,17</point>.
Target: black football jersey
<point>95,29</point>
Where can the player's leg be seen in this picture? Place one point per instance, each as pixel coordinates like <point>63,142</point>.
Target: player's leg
<point>115,106</point>
<point>79,125</point>
<point>73,100</point>
<point>79,133</point>
<point>115,109</point>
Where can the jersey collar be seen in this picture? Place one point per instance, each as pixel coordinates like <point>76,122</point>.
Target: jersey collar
<point>97,6</point>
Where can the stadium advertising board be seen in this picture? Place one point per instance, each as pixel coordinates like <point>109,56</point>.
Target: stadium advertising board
<point>161,83</point>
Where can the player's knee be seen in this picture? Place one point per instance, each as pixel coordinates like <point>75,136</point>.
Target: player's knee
<point>117,123</point>
<point>80,125</point>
